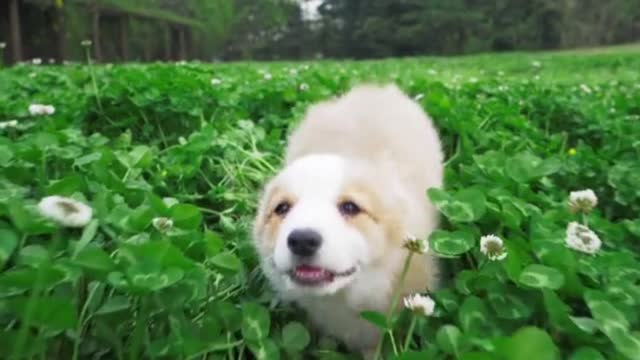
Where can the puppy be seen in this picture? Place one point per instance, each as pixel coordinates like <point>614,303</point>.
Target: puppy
<point>331,224</point>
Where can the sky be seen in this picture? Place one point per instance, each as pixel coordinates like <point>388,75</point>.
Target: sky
<point>310,8</point>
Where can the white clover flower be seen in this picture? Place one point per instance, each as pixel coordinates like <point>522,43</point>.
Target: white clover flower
<point>293,72</point>
<point>86,43</point>
<point>536,64</point>
<point>65,211</point>
<point>216,81</point>
<point>416,245</point>
<point>585,88</point>
<point>304,87</point>
<point>581,238</point>
<point>8,124</point>
<point>3,45</point>
<point>267,76</point>
<point>418,97</point>
<point>582,200</point>
<point>163,224</point>
<point>420,304</point>
<point>493,247</point>
<point>36,61</point>
<point>40,109</point>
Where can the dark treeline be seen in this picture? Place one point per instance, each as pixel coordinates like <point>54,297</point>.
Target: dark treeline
<point>383,28</point>
<point>147,30</point>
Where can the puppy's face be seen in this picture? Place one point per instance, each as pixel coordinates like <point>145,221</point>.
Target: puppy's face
<point>320,222</point>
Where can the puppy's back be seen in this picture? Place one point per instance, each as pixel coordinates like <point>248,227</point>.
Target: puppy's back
<point>378,124</point>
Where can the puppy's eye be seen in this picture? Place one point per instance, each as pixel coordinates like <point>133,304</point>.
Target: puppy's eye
<point>349,208</point>
<point>282,208</point>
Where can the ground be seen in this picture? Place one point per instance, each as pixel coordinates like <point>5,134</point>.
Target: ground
<point>170,158</point>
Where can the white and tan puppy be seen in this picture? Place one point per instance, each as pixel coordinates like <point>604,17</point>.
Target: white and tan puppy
<point>331,223</point>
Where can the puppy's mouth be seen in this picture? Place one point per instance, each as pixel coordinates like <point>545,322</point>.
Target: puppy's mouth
<point>308,275</point>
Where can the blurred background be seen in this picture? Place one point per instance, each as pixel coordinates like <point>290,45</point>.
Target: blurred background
<point>232,30</point>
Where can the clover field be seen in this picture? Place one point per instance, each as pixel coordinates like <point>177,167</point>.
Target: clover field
<point>171,159</point>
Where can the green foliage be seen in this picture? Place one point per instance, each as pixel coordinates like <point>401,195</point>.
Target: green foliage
<point>172,165</point>
<point>383,28</point>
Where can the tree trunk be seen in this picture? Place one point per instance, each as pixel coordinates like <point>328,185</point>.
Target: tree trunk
<point>124,37</point>
<point>167,42</point>
<point>95,27</point>
<point>62,39</point>
<point>183,43</point>
<point>16,38</point>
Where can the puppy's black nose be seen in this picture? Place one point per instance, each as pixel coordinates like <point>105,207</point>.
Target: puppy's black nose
<point>304,242</point>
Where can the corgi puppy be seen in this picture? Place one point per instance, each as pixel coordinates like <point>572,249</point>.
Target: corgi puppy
<point>331,223</point>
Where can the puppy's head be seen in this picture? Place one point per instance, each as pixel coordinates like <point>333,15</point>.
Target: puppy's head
<point>321,221</point>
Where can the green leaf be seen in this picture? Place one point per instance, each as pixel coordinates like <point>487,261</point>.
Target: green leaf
<point>33,255</point>
<point>605,314</point>
<point>626,343</point>
<point>256,322</point>
<point>157,281</point>
<point>230,316</point>
<point>88,233</point>
<point>114,304</point>
<point>28,220</point>
<point>528,341</point>
<point>5,155</point>
<point>449,339</point>
<point>8,244</point>
<point>474,316</point>
<point>265,349</point>
<point>410,355</point>
<point>588,325</point>
<point>226,261</point>
<point>214,243</point>
<point>525,167</point>
<point>94,258</point>
<point>17,281</point>
<point>447,299</point>
<point>54,313</point>
<point>186,216</point>
<point>295,337</point>
<point>477,356</point>
<point>586,353</point>
<point>87,159</point>
<point>541,277</point>
<point>508,306</point>
<point>451,244</point>
<point>464,281</point>
<point>465,206</point>
<point>66,186</point>
<point>376,318</point>
<point>140,157</point>
<point>614,324</point>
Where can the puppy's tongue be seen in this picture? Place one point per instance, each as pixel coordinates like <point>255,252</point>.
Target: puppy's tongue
<point>312,274</point>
